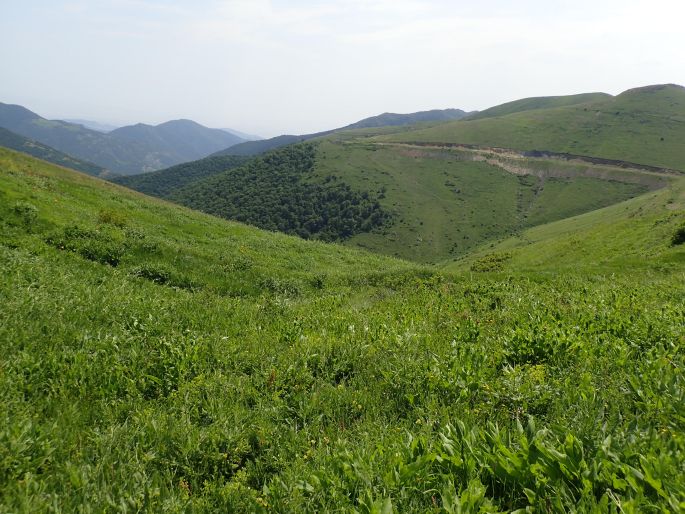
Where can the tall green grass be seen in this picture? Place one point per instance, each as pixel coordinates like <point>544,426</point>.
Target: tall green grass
<point>215,367</point>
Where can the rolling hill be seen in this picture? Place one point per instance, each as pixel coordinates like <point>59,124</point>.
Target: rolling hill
<point>541,102</point>
<point>22,144</point>
<point>433,203</point>
<point>382,120</point>
<point>445,190</point>
<point>125,151</point>
<point>643,125</point>
<point>164,182</point>
<point>159,359</point>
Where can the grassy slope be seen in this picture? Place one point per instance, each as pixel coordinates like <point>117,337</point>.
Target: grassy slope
<point>645,126</point>
<point>542,102</point>
<point>635,233</point>
<point>197,246</point>
<point>444,204</point>
<point>269,373</point>
<point>434,222</point>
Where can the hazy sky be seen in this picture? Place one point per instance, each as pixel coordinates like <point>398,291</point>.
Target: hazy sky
<point>298,66</point>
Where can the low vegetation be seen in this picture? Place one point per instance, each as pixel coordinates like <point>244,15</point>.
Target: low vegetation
<point>157,359</point>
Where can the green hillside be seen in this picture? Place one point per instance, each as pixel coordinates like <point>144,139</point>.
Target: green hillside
<point>157,359</point>
<point>644,125</point>
<point>22,144</point>
<point>418,203</point>
<point>628,235</point>
<point>276,192</point>
<point>163,182</point>
<point>540,102</point>
<point>445,202</point>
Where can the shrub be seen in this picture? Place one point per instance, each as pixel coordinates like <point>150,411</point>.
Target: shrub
<point>28,213</point>
<point>90,244</point>
<point>156,274</point>
<point>678,236</point>
<point>492,262</point>
<point>112,217</point>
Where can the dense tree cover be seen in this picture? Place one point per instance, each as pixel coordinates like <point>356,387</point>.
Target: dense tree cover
<point>278,192</point>
<point>164,182</point>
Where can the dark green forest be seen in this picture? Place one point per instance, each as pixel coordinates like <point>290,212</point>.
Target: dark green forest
<point>164,182</point>
<point>278,192</point>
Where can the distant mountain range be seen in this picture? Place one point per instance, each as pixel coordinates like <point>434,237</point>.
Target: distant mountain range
<point>243,135</point>
<point>126,150</point>
<point>93,125</point>
<point>141,148</point>
<point>387,119</point>
<point>29,146</point>
<point>178,140</point>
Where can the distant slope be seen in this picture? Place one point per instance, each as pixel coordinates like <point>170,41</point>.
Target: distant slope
<point>128,150</point>
<point>243,135</point>
<point>446,202</point>
<point>163,182</point>
<point>392,119</point>
<point>93,125</point>
<point>542,102</point>
<point>119,156</point>
<point>22,144</point>
<point>178,140</point>
<point>382,120</point>
<point>643,125</point>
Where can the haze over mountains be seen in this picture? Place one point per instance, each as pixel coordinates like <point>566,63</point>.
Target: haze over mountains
<point>126,150</point>
<point>28,146</point>
<point>93,125</point>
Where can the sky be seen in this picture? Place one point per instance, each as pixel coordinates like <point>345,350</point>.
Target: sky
<point>269,67</point>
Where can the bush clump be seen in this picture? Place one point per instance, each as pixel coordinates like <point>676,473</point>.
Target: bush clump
<point>27,212</point>
<point>678,236</point>
<point>492,262</point>
<point>153,273</point>
<point>112,217</point>
<point>93,245</point>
